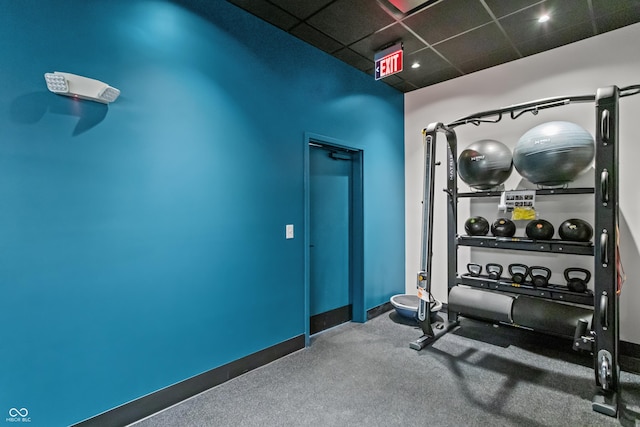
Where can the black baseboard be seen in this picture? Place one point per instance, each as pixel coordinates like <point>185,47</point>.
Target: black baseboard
<point>329,319</point>
<point>162,399</point>
<point>630,349</point>
<point>629,357</point>
<point>378,310</point>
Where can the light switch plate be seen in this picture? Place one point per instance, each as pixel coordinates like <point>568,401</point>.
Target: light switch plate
<point>289,231</point>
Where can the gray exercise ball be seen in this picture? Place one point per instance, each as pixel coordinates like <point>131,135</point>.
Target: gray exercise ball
<point>554,153</point>
<point>485,164</point>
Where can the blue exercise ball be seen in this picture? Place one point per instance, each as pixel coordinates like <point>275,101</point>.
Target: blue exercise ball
<point>554,153</point>
<point>485,164</point>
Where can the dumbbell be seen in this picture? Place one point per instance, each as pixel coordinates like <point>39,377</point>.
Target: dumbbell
<point>494,271</point>
<point>518,272</point>
<point>577,284</point>
<point>474,269</point>
<point>539,280</point>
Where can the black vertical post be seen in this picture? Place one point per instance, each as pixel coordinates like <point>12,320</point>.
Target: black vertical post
<point>606,315</point>
<point>426,247</point>
<point>424,276</point>
<point>452,215</point>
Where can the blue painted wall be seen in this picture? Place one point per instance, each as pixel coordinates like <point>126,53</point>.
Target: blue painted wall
<point>129,234</point>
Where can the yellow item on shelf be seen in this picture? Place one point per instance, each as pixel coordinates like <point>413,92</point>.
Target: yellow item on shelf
<point>523,213</point>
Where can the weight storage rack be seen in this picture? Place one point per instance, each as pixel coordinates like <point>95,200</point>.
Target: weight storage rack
<point>602,338</point>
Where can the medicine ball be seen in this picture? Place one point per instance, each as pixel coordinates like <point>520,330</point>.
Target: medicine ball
<point>485,164</point>
<point>539,229</point>
<point>503,227</point>
<point>476,226</point>
<point>575,230</point>
<point>554,153</point>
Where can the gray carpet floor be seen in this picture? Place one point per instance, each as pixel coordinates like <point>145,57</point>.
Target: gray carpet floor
<point>366,375</point>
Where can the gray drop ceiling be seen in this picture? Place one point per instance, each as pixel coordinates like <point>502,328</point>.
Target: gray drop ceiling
<point>449,38</point>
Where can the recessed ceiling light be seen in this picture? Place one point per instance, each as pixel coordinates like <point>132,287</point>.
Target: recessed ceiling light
<point>415,65</point>
<point>543,18</point>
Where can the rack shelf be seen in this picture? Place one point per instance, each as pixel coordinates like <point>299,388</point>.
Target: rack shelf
<point>522,244</point>
<point>553,292</point>
<point>539,192</point>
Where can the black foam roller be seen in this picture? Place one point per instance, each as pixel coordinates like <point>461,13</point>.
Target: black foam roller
<point>479,303</point>
<point>549,316</point>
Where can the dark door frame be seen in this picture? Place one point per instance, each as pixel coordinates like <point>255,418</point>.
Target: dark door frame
<point>356,263</point>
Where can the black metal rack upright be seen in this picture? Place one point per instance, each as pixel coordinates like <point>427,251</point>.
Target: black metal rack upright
<point>603,337</point>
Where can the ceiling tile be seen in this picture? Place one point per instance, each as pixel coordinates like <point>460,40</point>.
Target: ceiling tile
<point>353,59</point>
<point>316,38</point>
<point>500,8</point>
<point>368,46</point>
<point>404,86</point>
<point>488,60</point>
<point>432,68</point>
<point>605,7</point>
<point>302,9</point>
<point>616,20</point>
<point>447,18</point>
<point>390,80</point>
<point>476,44</point>
<point>348,21</point>
<point>547,41</point>
<point>523,27</point>
<point>611,15</point>
<point>430,62</point>
<point>428,79</point>
<point>267,11</point>
<point>449,38</point>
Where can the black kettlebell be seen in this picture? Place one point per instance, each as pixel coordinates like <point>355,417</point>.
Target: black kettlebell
<point>476,226</point>
<point>494,271</point>
<point>577,284</point>
<point>539,280</point>
<point>474,269</point>
<point>576,230</point>
<point>518,272</point>
<point>539,229</point>
<point>503,227</point>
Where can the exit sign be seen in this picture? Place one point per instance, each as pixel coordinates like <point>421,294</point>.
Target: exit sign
<point>388,61</point>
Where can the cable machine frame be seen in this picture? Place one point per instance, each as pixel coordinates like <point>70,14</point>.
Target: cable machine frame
<point>603,338</point>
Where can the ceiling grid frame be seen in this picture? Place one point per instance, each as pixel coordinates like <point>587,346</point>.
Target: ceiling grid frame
<point>507,33</point>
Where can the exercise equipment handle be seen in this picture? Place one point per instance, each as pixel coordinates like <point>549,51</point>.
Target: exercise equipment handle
<point>604,303</point>
<point>604,186</point>
<point>604,248</point>
<point>605,126</point>
<point>581,330</point>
